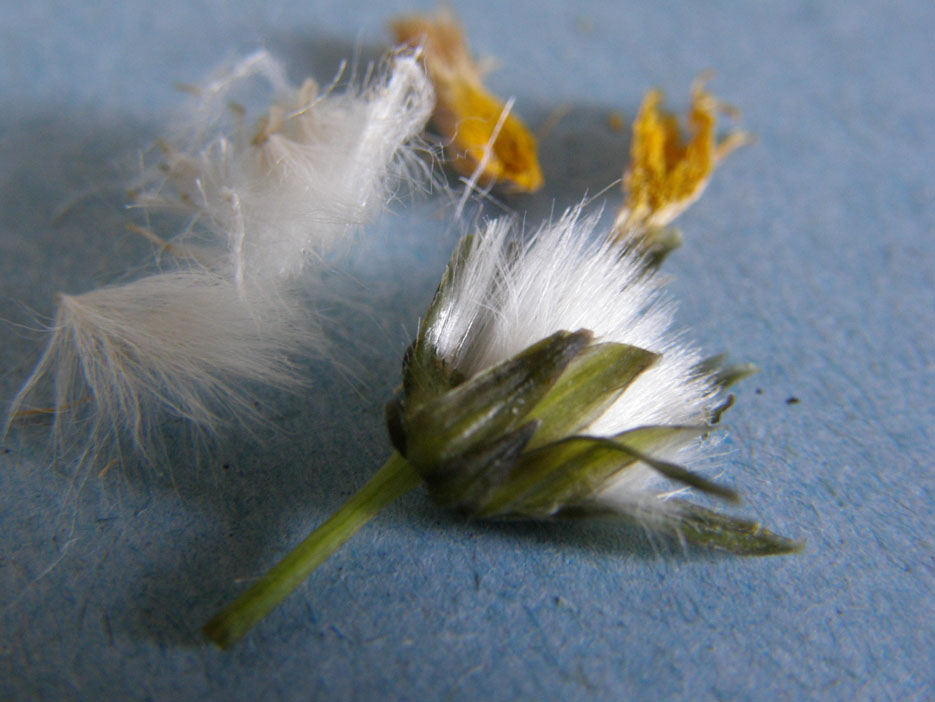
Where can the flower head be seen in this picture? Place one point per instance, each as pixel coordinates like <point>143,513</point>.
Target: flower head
<point>506,411</point>
<point>546,380</point>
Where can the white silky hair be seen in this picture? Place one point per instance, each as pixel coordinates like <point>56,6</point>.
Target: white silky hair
<point>509,295</point>
<point>279,195</point>
<point>271,206</point>
<point>183,343</point>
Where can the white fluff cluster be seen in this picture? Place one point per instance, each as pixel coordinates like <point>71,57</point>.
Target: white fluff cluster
<point>269,203</point>
<point>182,342</point>
<point>509,295</point>
<point>278,194</point>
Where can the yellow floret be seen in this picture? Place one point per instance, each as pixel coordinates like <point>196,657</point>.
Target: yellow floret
<point>668,173</point>
<point>481,135</point>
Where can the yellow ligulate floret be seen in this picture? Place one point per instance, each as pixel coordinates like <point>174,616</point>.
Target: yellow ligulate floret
<point>475,115</point>
<point>482,136</point>
<point>668,173</point>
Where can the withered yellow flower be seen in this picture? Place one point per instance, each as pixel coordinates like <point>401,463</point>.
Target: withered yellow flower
<point>668,173</point>
<point>484,139</point>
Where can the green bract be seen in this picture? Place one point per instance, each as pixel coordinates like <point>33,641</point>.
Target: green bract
<point>512,442</point>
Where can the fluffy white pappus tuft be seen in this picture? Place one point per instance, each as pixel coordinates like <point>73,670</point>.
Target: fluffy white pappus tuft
<point>184,344</point>
<point>509,294</point>
<point>296,185</point>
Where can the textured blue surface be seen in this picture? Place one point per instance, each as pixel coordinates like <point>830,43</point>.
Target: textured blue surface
<point>811,254</point>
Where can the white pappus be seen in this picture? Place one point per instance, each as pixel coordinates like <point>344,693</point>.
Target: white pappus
<point>269,205</point>
<point>277,195</point>
<point>180,343</point>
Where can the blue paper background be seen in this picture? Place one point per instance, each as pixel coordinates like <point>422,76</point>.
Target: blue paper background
<point>811,254</point>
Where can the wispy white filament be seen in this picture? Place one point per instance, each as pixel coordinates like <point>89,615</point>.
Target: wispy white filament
<point>184,344</point>
<point>278,194</point>
<point>509,295</point>
<point>270,201</point>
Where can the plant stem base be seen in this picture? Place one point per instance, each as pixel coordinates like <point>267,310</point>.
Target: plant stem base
<point>393,480</point>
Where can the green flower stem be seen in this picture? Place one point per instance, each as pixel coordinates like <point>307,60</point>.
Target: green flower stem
<point>393,480</point>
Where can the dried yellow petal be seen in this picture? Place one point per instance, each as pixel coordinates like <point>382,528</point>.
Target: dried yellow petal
<point>667,173</point>
<point>484,140</point>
